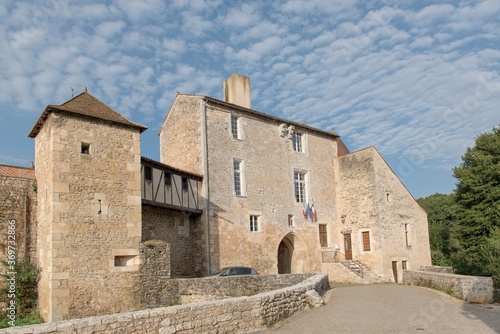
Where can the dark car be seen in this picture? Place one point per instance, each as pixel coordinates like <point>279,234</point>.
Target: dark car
<point>235,271</point>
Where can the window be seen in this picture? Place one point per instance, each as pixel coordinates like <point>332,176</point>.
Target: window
<point>168,179</point>
<point>300,186</point>
<point>323,237</point>
<point>404,264</point>
<point>148,173</point>
<point>184,183</point>
<point>85,148</point>
<point>366,241</point>
<point>235,127</point>
<point>407,235</point>
<point>297,141</point>
<point>254,223</point>
<point>290,220</point>
<point>237,168</point>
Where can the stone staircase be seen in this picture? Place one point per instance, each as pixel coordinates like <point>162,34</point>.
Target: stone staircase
<point>369,277</point>
<point>348,273</point>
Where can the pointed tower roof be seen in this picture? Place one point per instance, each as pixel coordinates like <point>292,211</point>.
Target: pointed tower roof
<point>86,105</point>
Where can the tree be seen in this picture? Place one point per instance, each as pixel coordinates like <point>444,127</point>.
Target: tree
<point>491,251</point>
<point>440,210</point>
<point>477,199</point>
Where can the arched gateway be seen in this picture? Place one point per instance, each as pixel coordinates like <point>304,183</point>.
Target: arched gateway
<point>292,255</point>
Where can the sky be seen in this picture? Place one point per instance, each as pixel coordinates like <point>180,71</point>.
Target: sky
<point>419,80</point>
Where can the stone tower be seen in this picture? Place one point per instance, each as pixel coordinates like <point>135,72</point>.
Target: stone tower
<point>89,208</point>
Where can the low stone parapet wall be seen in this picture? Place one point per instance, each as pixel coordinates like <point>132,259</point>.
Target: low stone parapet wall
<point>192,290</point>
<point>473,289</point>
<point>233,315</point>
<point>438,269</point>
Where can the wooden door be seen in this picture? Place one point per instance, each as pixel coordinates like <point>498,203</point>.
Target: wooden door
<point>348,246</point>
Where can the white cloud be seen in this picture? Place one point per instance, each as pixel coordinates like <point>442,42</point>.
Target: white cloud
<point>403,76</point>
<point>110,29</point>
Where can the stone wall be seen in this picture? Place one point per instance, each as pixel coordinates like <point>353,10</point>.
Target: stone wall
<point>215,288</point>
<point>372,199</point>
<point>182,232</point>
<point>473,289</point>
<point>268,162</point>
<point>18,203</point>
<point>437,269</point>
<point>234,315</point>
<point>89,216</point>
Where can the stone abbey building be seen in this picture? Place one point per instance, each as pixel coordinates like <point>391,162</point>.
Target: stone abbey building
<point>234,186</point>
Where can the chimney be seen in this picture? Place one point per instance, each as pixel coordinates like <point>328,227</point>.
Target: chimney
<point>237,90</point>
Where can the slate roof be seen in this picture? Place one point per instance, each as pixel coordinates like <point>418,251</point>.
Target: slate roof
<point>14,171</point>
<point>86,105</point>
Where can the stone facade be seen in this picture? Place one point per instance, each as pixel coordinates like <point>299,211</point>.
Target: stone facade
<point>18,203</point>
<point>355,195</point>
<point>181,231</point>
<point>18,210</point>
<point>372,199</point>
<point>89,215</point>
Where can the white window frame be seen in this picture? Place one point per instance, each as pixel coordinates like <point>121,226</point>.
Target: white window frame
<point>239,178</point>
<point>298,141</point>
<point>235,127</point>
<point>254,223</point>
<point>300,192</point>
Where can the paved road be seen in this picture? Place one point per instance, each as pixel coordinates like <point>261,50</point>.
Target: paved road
<point>391,308</point>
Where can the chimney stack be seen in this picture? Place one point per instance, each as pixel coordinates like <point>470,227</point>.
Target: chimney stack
<point>237,90</point>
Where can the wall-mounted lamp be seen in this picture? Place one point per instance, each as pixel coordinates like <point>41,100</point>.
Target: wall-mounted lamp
<point>100,207</point>
<point>343,218</point>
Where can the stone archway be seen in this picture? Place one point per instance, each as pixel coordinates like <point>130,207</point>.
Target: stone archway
<point>285,253</point>
<point>292,255</point>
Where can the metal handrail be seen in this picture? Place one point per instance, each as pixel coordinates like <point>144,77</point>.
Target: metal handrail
<point>339,257</point>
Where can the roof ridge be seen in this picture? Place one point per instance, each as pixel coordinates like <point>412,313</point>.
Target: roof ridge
<point>85,104</point>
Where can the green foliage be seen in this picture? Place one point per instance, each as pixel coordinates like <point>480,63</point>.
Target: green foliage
<point>477,200</point>
<point>25,293</point>
<point>491,251</point>
<point>440,209</point>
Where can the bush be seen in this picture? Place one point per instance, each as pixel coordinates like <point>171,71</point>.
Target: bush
<point>24,292</point>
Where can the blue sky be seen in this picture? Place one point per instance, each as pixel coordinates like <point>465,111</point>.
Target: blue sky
<point>419,80</point>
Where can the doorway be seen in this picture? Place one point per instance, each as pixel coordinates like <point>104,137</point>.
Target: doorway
<point>285,252</point>
<point>348,246</point>
<point>395,270</point>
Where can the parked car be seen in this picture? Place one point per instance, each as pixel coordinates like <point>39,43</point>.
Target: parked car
<point>235,271</point>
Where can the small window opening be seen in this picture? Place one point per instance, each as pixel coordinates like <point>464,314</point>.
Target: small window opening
<point>85,148</point>
<point>254,223</point>
<point>124,260</point>
<point>148,173</point>
<point>168,179</point>
<point>184,183</point>
<point>290,220</point>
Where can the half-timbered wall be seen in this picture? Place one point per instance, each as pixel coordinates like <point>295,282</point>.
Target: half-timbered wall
<point>168,187</point>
